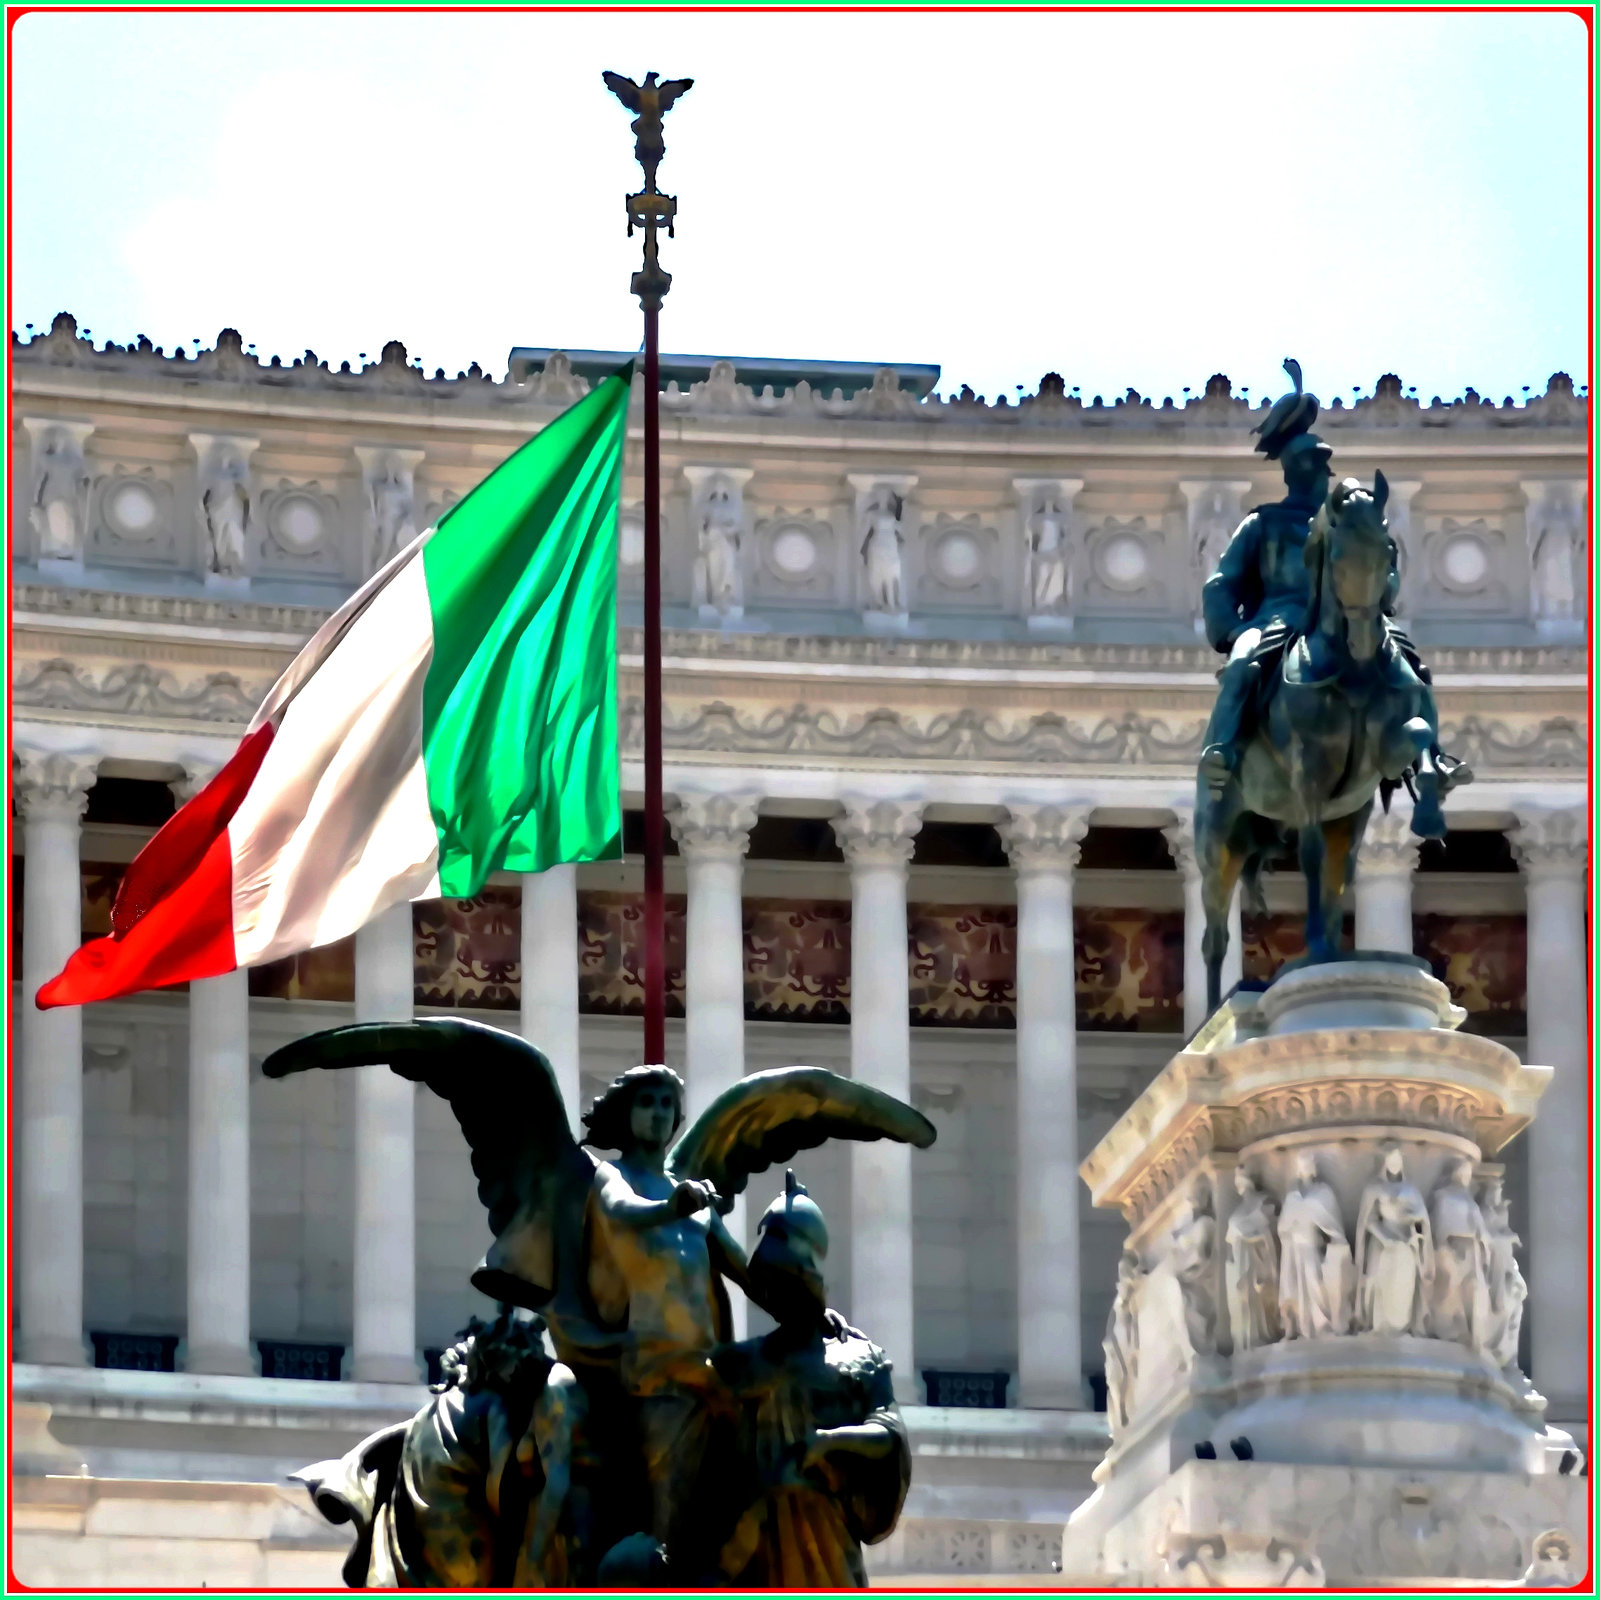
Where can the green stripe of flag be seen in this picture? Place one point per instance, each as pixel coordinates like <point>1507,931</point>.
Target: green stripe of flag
<point>519,713</point>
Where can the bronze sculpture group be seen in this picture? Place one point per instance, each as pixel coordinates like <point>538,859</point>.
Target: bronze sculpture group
<point>604,1428</point>
<point>1324,706</point>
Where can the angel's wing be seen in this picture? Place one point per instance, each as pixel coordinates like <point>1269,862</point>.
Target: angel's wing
<point>533,1177</point>
<point>625,89</point>
<point>666,93</point>
<point>763,1119</point>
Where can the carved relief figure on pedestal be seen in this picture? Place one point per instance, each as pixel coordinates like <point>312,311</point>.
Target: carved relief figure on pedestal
<point>718,580</point>
<point>1508,1290</point>
<point>1251,1271</point>
<point>1394,1252</point>
<point>59,502</point>
<point>225,512</point>
<point>1121,1344</point>
<point>1193,1256</point>
<point>882,544</point>
<point>1049,581</point>
<point>1316,1280</point>
<point>391,499</point>
<point>1461,1308</point>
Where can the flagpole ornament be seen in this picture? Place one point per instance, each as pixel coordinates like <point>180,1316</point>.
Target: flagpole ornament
<point>649,210</point>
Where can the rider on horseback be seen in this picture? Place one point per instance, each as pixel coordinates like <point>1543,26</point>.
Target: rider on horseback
<point>1255,602</point>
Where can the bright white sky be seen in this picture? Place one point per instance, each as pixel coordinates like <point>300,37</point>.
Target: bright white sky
<point>1127,199</point>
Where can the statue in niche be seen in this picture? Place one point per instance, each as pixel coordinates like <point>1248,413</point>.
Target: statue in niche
<point>1212,528</point>
<point>225,513</point>
<point>1508,1289</point>
<point>1316,1278</point>
<point>1461,1308</point>
<point>721,534</point>
<point>1555,567</point>
<point>1193,1256</point>
<point>1121,1343</point>
<point>631,1457</point>
<point>59,504</point>
<point>1049,581</point>
<point>1251,1269</point>
<point>1394,1252</point>
<point>817,1423</point>
<point>882,545</point>
<point>391,499</point>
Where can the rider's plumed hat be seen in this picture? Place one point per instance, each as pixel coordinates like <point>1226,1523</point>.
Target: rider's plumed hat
<point>1290,417</point>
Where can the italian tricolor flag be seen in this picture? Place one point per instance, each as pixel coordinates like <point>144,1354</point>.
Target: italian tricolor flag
<point>457,716</point>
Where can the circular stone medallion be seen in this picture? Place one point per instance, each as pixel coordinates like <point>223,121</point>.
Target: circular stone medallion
<point>131,511</point>
<point>297,524</point>
<point>794,553</point>
<point>1123,562</point>
<point>1466,562</point>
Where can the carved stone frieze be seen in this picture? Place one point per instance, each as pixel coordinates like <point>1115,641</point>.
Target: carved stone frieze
<point>967,735</point>
<point>137,690</point>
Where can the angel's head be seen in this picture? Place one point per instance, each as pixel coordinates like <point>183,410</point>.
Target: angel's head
<point>641,1108</point>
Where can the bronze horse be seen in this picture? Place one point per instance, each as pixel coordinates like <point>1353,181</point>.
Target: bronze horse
<point>1343,716</point>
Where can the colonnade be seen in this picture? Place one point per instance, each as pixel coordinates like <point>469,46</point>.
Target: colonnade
<point>877,837</point>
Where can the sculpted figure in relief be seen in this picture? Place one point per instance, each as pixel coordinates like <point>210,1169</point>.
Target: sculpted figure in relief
<point>1555,567</point>
<point>1251,1271</point>
<point>1316,1280</point>
<point>60,497</point>
<point>225,513</point>
<point>1394,1252</point>
<point>1048,587</point>
<point>1121,1344</point>
<point>391,497</point>
<point>1508,1290</point>
<point>721,534</point>
<point>1461,1263</point>
<point>881,546</point>
<point>1193,1256</point>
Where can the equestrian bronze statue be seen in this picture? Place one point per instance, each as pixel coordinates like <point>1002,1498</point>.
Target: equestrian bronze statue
<point>1324,706</point>
<point>604,1429</point>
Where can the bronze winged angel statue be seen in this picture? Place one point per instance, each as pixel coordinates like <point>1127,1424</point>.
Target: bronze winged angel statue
<point>586,1435</point>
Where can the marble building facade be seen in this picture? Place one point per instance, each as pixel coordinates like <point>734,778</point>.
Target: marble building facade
<point>933,693</point>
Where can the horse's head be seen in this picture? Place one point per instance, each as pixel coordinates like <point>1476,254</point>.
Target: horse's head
<point>1351,557</point>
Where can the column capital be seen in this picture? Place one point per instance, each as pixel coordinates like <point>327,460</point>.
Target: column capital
<point>198,771</point>
<point>878,833</point>
<point>712,826</point>
<point>1551,842</point>
<point>1179,834</point>
<point>1389,848</point>
<point>51,786</point>
<point>1045,838</point>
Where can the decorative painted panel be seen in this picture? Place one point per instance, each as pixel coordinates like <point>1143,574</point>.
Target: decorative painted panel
<point>469,951</point>
<point>963,966</point>
<point>1130,969</point>
<point>611,953</point>
<point>1270,940</point>
<point>1484,960</point>
<point>797,960</point>
<point>326,973</point>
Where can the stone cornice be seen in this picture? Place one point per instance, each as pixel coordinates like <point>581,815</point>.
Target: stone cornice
<point>61,360</point>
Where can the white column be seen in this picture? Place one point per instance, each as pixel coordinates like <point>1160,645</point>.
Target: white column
<point>1042,842</point>
<point>1384,867</point>
<point>876,837</point>
<point>219,1176</point>
<point>218,1267</point>
<point>550,974</point>
<point>52,792</point>
<point>713,834</point>
<point>1179,835</point>
<point>385,1309</point>
<point>1552,849</point>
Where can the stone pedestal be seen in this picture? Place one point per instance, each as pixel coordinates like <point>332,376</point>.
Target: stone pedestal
<point>1311,1357</point>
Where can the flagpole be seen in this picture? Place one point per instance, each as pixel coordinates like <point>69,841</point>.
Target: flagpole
<point>649,209</point>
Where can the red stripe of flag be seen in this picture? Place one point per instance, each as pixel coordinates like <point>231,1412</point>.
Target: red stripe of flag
<point>173,918</point>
